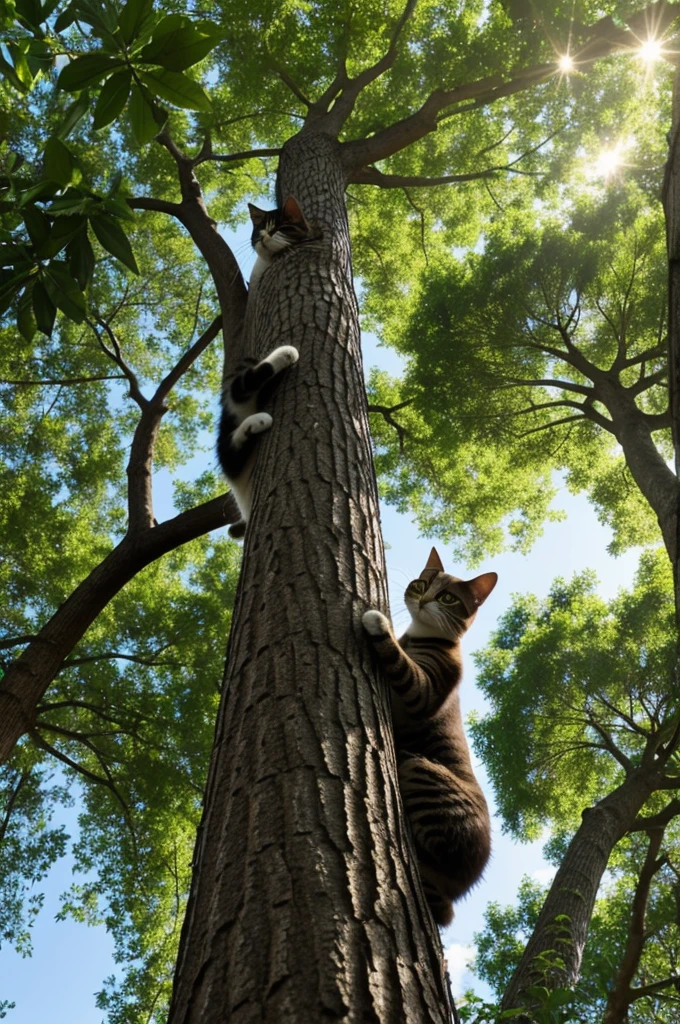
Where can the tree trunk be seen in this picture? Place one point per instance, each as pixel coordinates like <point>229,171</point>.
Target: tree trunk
<point>305,902</point>
<point>671,203</point>
<point>575,886</point>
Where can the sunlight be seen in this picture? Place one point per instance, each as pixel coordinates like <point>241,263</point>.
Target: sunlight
<point>610,159</point>
<point>566,64</point>
<point>650,51</point>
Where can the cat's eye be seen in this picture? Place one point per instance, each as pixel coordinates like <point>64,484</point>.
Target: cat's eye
<point>420,586</point>
<point>447,598</point>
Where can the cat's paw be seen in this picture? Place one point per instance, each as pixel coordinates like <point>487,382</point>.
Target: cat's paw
<point>376,623</point>
<point>257,423</point>
<point>283,357</point>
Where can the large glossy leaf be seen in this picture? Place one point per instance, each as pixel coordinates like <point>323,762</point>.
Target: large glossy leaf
<point>74,115</point>
<point>64,290</point>
<point>80,256</point>
<point>44,309</point>
<point>112,237</point>
<point>144,124</point>
<point>86,70</point>
<point>112,98</point>
<point>133,18</point>
<point>178,43</point>
<point>25,319</point>
<point>57,161</point>
<point>176,89</point>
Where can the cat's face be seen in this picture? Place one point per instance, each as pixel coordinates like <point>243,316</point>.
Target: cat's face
<point>443,605</point>
<point>274,230</point>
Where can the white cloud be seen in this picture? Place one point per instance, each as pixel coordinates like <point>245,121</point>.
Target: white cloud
<point>458,958</point>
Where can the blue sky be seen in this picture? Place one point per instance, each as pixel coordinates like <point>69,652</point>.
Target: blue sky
<point>70,961</point>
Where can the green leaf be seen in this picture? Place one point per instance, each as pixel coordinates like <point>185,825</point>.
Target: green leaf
<point>112,98</point>
<point>64,291</point>
<point>57,161</point>
<point>176,89</point>
<point>67,206</point>
<point>44,309</point>
<point>81,261</point>
<point>64,230</point>
<point>66,18</point>
<point>74,115</point>
<point>20,64</point>
<point>132,18</point>
<point>37,225</point>
<point>8,72</point>
<point>180,46</point>
<point>86,70</point>
<point>30,11</point>
<point>118,208</point>
<point>44,189</point>
<point>25,319</point>
<point>144,126</point>
<point>112,237</point>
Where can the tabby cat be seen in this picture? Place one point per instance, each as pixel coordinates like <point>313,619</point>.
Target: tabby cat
<point>446,808</point>
<point>275,230</point>
<point>243,396</point>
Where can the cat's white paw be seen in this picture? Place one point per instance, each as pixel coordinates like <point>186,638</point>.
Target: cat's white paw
<point>283,357</point>
<point>257,423</point>
<point>375,623</point>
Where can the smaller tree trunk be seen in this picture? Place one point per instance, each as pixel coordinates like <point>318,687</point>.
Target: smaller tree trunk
<point>562,926</point>
<point>622,995</point>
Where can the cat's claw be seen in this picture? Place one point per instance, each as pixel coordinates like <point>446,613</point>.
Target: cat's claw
<point>376,623</point>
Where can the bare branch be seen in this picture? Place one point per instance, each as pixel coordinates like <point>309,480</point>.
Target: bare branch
<point>157,205</point>
<point>609,744</point>
<point>63,380</point>
<point>116,355</point>
<point>657,821</point>
<point>386,412</point>
<point>351,88</point>
<point>372,176</point>
<point>226,158</point>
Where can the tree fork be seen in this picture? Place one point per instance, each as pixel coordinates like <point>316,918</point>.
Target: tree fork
<point>305,902</point>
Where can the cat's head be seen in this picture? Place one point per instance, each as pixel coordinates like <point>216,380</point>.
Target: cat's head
<point>274,230</point>
<point>442,605</point>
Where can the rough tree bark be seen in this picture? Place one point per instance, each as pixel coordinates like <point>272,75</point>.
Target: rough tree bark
<point>306,903</point>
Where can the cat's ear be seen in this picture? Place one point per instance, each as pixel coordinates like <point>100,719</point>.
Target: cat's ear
<point>481,586</point>
<point>257,216</point>
<point>292,212</point>
<point>434,561</point>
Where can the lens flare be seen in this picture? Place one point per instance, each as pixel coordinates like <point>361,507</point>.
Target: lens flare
<point>650,51</point>
<point>565,64</point>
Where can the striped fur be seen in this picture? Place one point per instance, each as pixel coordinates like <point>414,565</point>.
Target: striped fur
<point>445,806</point>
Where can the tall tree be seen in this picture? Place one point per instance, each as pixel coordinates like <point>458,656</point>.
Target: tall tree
<point>304,883</point>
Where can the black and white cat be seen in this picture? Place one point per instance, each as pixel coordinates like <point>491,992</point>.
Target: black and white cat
<point>243,396</point>
<point>275,230</point>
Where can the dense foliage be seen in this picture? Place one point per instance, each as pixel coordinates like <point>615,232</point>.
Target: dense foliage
<point>485,286</point>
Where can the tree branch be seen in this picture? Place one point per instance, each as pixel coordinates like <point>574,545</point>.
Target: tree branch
<point>657,821</point>
<point>621,996</point>
<point>386,413</point>
<point>27,678</point>
<point>351,88</point>
<point>372,176</point>
<point>64,380</point>
<point>604,39</point>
